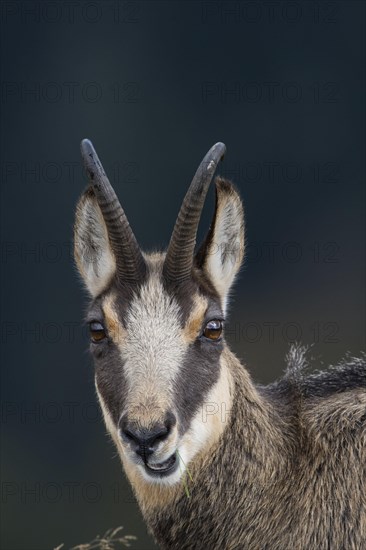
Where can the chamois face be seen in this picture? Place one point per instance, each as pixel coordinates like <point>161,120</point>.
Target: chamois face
<point>157,327</point>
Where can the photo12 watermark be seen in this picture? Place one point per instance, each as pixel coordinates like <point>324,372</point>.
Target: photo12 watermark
<point>69,92</point>
<point>239,12</point>
<point>71,12</point>
<point>271,93</point>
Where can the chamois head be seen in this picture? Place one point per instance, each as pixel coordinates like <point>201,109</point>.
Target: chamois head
<point>156,320</point>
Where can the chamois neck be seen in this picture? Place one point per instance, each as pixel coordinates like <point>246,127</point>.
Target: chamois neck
<point>257,427</point>
<point>251,452</point>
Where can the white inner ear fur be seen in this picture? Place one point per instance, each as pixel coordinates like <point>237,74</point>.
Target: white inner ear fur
<point>225,253</point>
<point>93,255</point>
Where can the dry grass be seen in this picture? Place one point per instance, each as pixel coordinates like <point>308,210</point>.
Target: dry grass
<point>111,540</point>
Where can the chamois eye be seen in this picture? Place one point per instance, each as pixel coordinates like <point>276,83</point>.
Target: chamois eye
<point>97,331</point>
<point>213,329</point>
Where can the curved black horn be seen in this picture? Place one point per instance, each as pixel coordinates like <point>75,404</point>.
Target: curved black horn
<point>179,258</point>
<point>130,263</point>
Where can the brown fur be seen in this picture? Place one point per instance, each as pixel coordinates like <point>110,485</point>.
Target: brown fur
<point>115,330</point>
<point>275,480</point>
<point>195,320</point>
<point>275,468</point>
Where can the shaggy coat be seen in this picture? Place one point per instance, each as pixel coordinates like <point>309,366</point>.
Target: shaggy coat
<point>289,470</point>
<point>215,461</point>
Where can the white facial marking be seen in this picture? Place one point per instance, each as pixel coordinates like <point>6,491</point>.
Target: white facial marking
<point>206,427</point>
<point>210,420</point>
<point>154,348</point>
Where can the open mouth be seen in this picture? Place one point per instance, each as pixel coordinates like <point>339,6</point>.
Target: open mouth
<point>163,468</point>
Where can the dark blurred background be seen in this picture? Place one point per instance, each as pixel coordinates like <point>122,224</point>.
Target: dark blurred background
<point>154,84</point>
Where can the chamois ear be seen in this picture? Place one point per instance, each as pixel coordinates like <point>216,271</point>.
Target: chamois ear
<point>92,251</point>
<point>221,253</point>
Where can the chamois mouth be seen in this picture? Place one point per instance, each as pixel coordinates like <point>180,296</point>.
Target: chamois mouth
<point>163,468</point>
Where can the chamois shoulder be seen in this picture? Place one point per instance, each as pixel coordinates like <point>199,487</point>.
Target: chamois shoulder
<point>349,374</point>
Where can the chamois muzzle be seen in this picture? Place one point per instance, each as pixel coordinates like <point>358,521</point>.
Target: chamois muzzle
<point>179,258</point>
<point>144,442</point>
<point>130,263</point>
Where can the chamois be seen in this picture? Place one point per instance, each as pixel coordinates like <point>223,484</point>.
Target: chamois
<point>215,461</point>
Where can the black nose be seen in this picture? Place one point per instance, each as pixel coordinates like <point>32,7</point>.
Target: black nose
<point>145,440</point>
